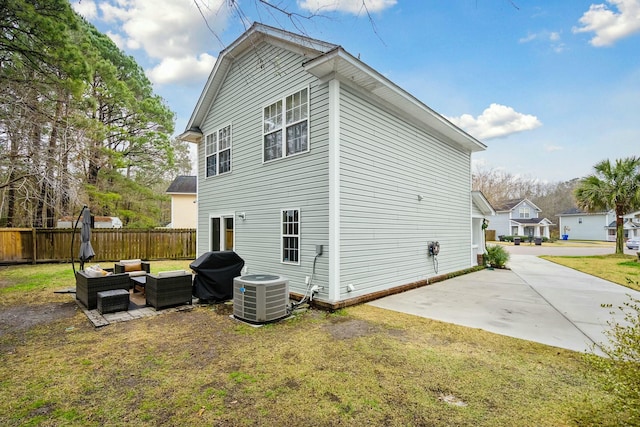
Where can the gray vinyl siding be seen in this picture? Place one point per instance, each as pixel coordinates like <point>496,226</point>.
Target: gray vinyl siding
<point>592,227</point>
<point>385,164</point>
<point>262,190</point>
<point>533,212</point>
<point>475,211</point>
<point>501,224</point>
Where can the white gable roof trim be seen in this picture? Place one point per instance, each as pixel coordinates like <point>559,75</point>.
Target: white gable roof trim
<point>327,61</point>
<point>305,46</point>
<point>341,65</point>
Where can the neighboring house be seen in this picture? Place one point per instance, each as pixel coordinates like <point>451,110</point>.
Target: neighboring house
<point>481,209</point>
<point>314,166</point>
<point>519,217</point>
<point>184,209</point>
<point>98,222</point>
<point>581,225</point>
<point>631,226</point>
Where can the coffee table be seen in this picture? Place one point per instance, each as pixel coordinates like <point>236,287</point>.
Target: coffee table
<point>138,283</point>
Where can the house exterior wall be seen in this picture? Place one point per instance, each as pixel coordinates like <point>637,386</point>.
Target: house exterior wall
<point>378,227</point>
<point>261,190</point>
<point>500,223</point>
<point>586,227</point>
<point>385,164</point>
<point>184,211</point>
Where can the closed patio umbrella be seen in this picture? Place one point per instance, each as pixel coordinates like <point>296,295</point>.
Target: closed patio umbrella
<point>86,250</point>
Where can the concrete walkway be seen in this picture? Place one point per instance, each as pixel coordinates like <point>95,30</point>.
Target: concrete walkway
<point>535,300</point>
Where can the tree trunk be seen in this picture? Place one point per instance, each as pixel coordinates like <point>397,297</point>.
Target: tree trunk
<point>619,230</point>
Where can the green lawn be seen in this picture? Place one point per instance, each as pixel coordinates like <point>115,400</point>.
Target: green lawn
<point>621,269</point>
<point>358,366</point>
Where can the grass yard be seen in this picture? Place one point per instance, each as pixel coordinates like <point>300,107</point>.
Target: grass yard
<point>621,269</point>
<point>358,366</point>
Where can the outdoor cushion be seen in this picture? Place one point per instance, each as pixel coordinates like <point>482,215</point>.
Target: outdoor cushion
<point>95,271</point>
<point>172,273</point>
<point>132,266</point>
<point>136,273</point>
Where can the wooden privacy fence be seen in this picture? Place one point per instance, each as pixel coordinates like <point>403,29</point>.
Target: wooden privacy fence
<point>31,245</point>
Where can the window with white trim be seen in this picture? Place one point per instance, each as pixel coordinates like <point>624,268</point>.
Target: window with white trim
<point>218,151</point>
<point>525,212</point>
<point>291,236</point>
<point>285,126</point>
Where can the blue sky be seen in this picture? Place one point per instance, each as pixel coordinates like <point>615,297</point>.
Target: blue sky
<point>551,87</point>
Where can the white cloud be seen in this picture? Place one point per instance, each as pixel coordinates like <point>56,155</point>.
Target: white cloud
<point>553,37</point>
<point>86,8</point>
<point>529,38</point>
<point>189,68</point>
<point>171,32</point>
<point>608,25</point>
<point>349,6</point>
<point>551,148</point>
<point>117,39</point>
<point>496,121</point>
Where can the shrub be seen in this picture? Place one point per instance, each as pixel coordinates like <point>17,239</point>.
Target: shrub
<point>621,365</point>
<point>497,256</point>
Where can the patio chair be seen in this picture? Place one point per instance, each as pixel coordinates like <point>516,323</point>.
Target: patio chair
<point>133,267</point>
<point>169,288</point>
<point>87,286</point>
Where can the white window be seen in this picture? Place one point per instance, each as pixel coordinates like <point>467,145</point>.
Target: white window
<point>525,212</point>
<point>218,151</point>
<point>285,126</point>
<point>291,236</point>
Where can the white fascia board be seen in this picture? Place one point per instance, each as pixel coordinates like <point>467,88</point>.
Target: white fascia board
<point>482,203</point>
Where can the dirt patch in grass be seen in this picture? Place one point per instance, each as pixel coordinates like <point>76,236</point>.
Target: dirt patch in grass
<point>342,328</point>
<point>23,317</point>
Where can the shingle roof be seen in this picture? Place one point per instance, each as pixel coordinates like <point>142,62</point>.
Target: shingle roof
<point>573,211</point>
<point>184,184</point>
<point>507,205</point>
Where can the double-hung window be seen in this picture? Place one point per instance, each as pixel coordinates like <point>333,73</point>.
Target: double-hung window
<point>285,126</point>
<point>291,236</point>
<point>218,151</point>
<point>525,212</point>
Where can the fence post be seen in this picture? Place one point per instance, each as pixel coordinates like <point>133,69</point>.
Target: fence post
<point>34,241</point>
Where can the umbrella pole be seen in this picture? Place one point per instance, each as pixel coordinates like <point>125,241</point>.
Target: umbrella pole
<point>73,235</point>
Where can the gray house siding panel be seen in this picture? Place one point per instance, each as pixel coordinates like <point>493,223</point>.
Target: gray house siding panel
<point>475,211</point>
<point>386,163</point>
<point>261,190</point>
<point>500,223</point>
<point>585,227</point>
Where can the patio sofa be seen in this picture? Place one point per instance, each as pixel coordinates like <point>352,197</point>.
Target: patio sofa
<point>169,288</point>
<point>88,286</point>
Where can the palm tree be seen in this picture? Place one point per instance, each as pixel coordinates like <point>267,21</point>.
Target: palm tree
<point>612,187</point>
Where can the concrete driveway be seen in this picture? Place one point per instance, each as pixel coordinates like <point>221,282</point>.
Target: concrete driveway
<point>535,300</point>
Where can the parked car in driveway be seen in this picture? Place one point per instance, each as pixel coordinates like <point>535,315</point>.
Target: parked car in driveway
<point>633,243</point>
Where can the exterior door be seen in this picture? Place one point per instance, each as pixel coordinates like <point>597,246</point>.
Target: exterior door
<point>222,238</point>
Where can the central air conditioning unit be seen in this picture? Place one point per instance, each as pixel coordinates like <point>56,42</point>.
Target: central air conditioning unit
<point>260,298</point>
